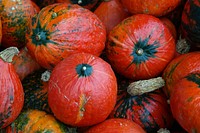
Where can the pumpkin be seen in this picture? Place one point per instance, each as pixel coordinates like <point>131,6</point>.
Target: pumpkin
<point>36,121</point>
<point>62,29</point>
<point>111,13</point>
<point>150,110</point>
<point>11,91</point>
<point>88,4</point>
<point>190,23</point>
<point>82,90</point>
<point>35,92</point>
<point>152,7</point>
<point>137,47</point>
<point>116,125</point>
<point>24,64</point>
<point>16,17</point>
<point>178,68</point>
<point>184,102</point>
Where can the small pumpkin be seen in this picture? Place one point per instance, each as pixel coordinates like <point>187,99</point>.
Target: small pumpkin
<point>82,90</point>
<point>16,17</point>
<point>24,64</point>
<point>184,102</point>
<point>111,13</point>
<point>138,51</point>
<point>116,125</point>
<point>36,121</point>
<point>178,68</point>
<point>11,91</point>
<point>152,7</point>
<point>62,29</point>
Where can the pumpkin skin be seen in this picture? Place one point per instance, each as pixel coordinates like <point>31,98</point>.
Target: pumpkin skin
<point>190,23</point>
<point>24,64</point>
<point>54,34</point>
<point>116,125</point>
<point>179,68</point>
<point>152,7</point>
<point>11,94</point>
<point>35,92</point>
<point>111,13</point>
<point>35,121</point>
<point>150,110</point>
<point>16,18</point>
<point>184,102</point>
<point>138,51</point>
<point>82,90</point>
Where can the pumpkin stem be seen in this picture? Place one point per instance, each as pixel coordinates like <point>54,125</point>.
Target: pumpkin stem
<point>8,54</point>
<point>143,86</point>
<point>46,76</point>
<point>139,51</point>
<point>182,46</point>
<point>163,130</point>
<point>80,2</point>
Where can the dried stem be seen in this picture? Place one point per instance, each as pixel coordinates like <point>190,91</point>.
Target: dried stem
<point>8,54</point>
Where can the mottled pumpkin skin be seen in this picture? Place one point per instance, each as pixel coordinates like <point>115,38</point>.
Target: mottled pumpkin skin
<point>184,102</point>
<point>190,23</point>
<point>24,64</point>
<point>35,92</point>
<point>62,29</point>
<point>35,121</point>
<point>179,68</point>
<point>82,90</point>
<point>140,47</point>
<point>152,7</point>
<point>150,110</point>
<point>16,17</point>
<point>116,125</point>
<point>11,94</point>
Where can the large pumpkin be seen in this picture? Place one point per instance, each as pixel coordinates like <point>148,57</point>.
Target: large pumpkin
<point>140,47</point>
<point>116,125</point>
<point>179,68</point>
<point>16,19</point>
<point>11,93</point>
<point>149,110</point>
<point>62,29</point>
<point>152,7</point>
<point>184,102</point>
<point>82,90</point>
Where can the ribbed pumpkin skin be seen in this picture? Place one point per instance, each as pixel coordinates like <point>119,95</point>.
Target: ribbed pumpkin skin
<point>24,64</point>
<point>116,125</point>
<point>179,68</point>
<point>138,51</point>
<point>190,23</point>
<point>16,17</point>
<point>79,96</point>
<point>184,102</point>
<point>152,7</point>
<point>62,29</point>
<point>35,121</point>
<point>11,94</point>
<point>150,110</point>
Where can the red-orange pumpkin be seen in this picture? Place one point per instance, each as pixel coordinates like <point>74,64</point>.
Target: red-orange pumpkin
<point>153,7</point>
<point>82,90</point>
<point>137,47</point>
<point>184,102</point>
<point>11,94</point>
<point>116,125</point>
<point>62,29</point>
<point>16,17</point>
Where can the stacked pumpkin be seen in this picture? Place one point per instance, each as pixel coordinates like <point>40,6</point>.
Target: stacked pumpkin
<point>87,71</point>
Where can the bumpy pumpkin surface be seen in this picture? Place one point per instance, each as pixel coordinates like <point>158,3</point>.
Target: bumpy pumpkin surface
<point>82,90</point>
<point>140,47</point>
<point>16,19</point>
<point>184,102</point>
<point>62,29</point>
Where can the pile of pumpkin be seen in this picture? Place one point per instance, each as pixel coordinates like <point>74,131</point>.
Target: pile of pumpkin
<point>99,66</point>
